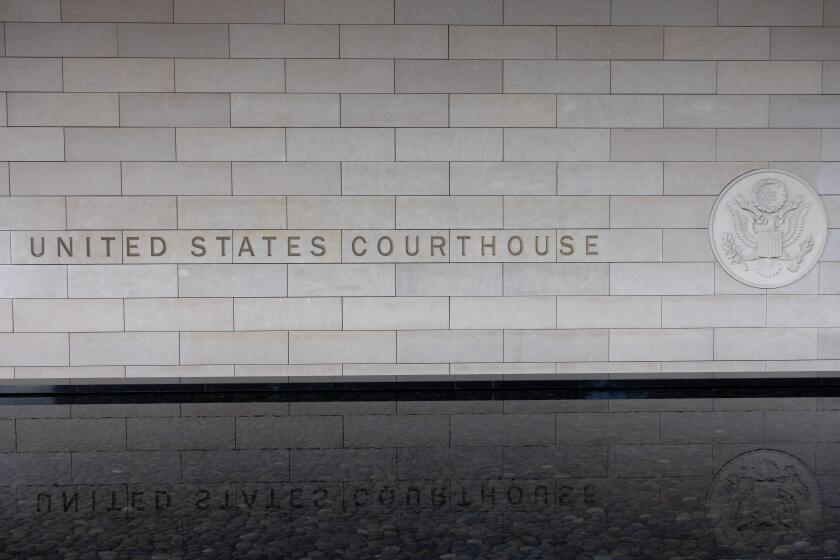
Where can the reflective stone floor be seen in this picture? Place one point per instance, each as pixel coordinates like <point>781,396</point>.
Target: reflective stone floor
<point>603,478</point>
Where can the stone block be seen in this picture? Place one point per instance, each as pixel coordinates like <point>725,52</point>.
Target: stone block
<point>500,42</point>
<point>522,279</point>
<point>339,11</point>
<point>292,178</point>
<point>805,111</point>
<point>395,41</point>
<point>178,314</point>
<point>116,10</point>
<point>222,11</point>
<point>770,12</point>
<point>716,111</point>
<point>179,433</point>
<point>609,111</point>
<point>293,314</point>
<point>33,349</point>
<point>320,280</point>
<point>277,109</point>
<point>429,212</point>
<point>668,76</point>
<point>30,10</point>
<point>228,75</point>
<point>378,110</point>
<point>555,345</point>
<point>116,74</point>
<point>242,347</point>
<point>522,312</point>
<point>226,144</point>
<point>683,144</point>
<point>47,281</point>
<point>609,178</point>
<point>714,311</point>
<point>609,312</point>
<point>284,41</point>
<point>660,344</point>
<point>455,279</point>
<point>395,313</point>
<point>180,40</point>
<point>63,109</point>
<point>32,212</point>
<point>339,76</point>
<point>324,347</point>
<point>175,109</point>
<point>122,281</point>
<point>238,212</point>
<point>556,76</point>
<point>340,144</point>
<point>32,143</point>
<point>441,346</point>
<point>61,39</point>
<point>229,280</point>
<point>762,144</point>
<point>401,178</point>
<point>500,178</point>
<point>119,144</point>
<point>449,144</point>
<point>664,12</point>
<point>660,211</point>
<point>717,43</point>
<point>766,344</point>
<point>340,212</point>
<point>769,77</point>
<point>456,12</point>
<point>662,279</point>
<point>568,144</point>
<point>448,76</point>
<point>78,434</point>
<point>108,212</point>
<point>375,430</point>
<point>68,315</point>
<point>136,348</point>
<point>556,212</point>
<point>181,178</point>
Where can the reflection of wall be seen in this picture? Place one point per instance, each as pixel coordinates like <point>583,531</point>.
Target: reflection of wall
<point>627,473</point>
<point>614,121</point>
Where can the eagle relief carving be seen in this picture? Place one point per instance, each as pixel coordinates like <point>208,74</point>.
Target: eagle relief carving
<point>768,228</point>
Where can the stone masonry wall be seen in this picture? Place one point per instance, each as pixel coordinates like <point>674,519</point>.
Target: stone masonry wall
<point>605,127</point>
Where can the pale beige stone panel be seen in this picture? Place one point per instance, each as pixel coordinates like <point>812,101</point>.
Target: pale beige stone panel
<point>185,246</point>
<point>116,10</point>
<point>769,77</point>
<point>829,278</point>
<point>140,348</point>
<point>495,42</point>
<point>557,12</point>
<point>539,279</point>
<point>503,245</point>
<point>277,109</point>
<point>65,247</point>
<point>556,76</point>
<point>829,343</point>
<point>521,312</point>
<point>119,144</point>
<point>394,41</point>
<point>683,144</point>
<point>448,76</point>
<point>117,74</point>
<point>63,109</point>
<point>716,111</point>
<point>406,178</point>
<point>421,347</point>
<point>140,372</point>
<point>449,144</point>
<point>171,178</point>
<point>324,280</point>
<point>556,345</point>
<point>31,349</point>
<point>31,10</point>
<point>664,345</point>
<point>686,245</point>
<point>387,246</point>
<point>284,41</point>
<point>500,178</point>
<point>609,245</point>
<point>298,314</point>
<point>339,76</point>
<point>609,111</point>
<point>378,110</point>
<point>61,39</point>
<point>556,212</point>
<point>395,313</point>
<point>231,280</point>
<point>529,144</point>
<point>494,110</point>
<point>324,347</point>
<point>609,178</point>
<point>224,11</point>
<point>223,75</point>
<point>830,150</point>
<point>662,278</point>
<point>717,43</point>
<point>449,279</point>
<point>283,245</point>
<point>122,281</point>
<point>31,144</point>
<point>763,144</point>
<point>174,109</point>
<point>429,212</point>
<point>709,178</point>
<point>23,281</point>
<point>30,74</point>
<point>6,315</point>
<point>714,311</point>
<point>831,13</point>
<point>261,347</point>
<point>32,212</point>
<point>831,77</point>
<point>803,310</point>
<point>660,211</point>
<point>68,315</point>
<point>804,111</point>
<point>107,212</point>
<point>805,43</point>
<point>179,314</point>
<point>607,42</point>
<point>663,77</point>
<point>183,40</point>
<point>664,12</point>
<point>237,212</point>
<point>463,12</point>
<point>340,212</point>
<point>770,12</point>
<point>339,11</point>
<point>292,178</point>
<point>5,248</point>
<point>609,312</point>
<point>340,144</point>
<point>766,344</point>
<point>4,179</point>
<point>231,144</point>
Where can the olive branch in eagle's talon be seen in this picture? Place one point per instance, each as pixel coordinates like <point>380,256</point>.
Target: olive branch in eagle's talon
<point>733,250</point>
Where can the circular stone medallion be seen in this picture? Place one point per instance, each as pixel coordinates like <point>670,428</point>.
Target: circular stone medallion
<point>768,228</point>
<point>761,499</point>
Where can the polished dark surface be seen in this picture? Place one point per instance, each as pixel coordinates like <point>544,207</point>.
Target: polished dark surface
<point>429,473</point>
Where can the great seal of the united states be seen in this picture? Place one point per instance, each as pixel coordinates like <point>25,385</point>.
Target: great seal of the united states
<point>768,228</point>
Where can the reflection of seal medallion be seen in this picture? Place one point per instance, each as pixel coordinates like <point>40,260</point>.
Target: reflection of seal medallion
<point>768,228</point>
<point>762,499</point>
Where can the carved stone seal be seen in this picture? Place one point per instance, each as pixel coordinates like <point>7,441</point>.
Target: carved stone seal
<point>768,228</point>
<point>761,499</point>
